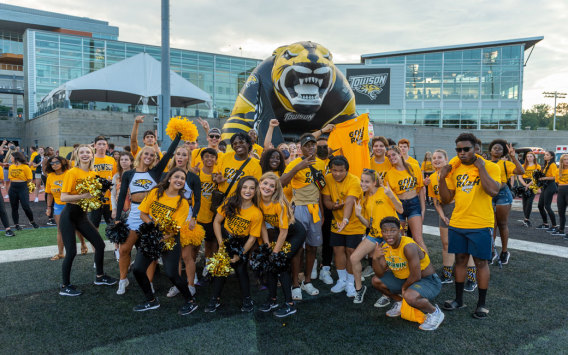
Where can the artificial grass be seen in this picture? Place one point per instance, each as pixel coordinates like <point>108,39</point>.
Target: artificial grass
<point>525,299</point>
<point>31,238</point>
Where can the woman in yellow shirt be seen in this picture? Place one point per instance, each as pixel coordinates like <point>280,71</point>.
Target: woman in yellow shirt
<point>20,175</point>
<point>530,165</point>
<point>562,198</point>
<point>427,170</point>
<point>547,193</point>
<point>379,162</point>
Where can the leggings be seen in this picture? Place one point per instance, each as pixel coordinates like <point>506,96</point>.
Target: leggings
<point>96,215</point>
<point>296,237</point>
<point>3,214</point>
<point>326,249</point>
<point>19,194</point>
<point>545,203</point>
<point>562,202</point>
<point>171,261</point>
<point>527,203</point>
<point>241,272</point>
<point>72,219</point>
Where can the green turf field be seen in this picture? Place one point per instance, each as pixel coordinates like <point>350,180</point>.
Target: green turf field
<point>31,238</point>
<point>526,302</point>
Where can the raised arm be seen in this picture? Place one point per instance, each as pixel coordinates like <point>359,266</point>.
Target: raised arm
<point>159,168</point>
<point>134,134</point>
<point>124,183</point>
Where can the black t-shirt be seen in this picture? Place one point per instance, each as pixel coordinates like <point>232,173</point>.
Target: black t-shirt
<point>37,160</point>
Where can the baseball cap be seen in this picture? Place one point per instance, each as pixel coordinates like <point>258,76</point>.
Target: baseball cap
<point>215,130</point>
<point>307,138</point>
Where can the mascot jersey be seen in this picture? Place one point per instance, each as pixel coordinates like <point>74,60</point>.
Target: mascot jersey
<point>352,138</point>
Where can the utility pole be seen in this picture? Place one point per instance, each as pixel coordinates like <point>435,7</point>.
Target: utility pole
<point>165,110</point>
<point>556,95</point>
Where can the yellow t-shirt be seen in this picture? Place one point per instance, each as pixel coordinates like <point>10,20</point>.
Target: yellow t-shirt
<point>247,223</point>
<point>400,181</point>
<point>207,186</point>
<point>505,165</point>
<point>427,167</point>
<point>412,161</point>
<point>53,186</point>
<point>381,168</point>
<point>256,151</point>
<point>304,177</point>
<point>552,170</point>
<point>352,137</point>
<point>377,207</point>
<point>228,166</point>
<point>529,170</point>
<point>72,177</point>
<point>433,186</point>
<point>288,191</point>
<point>474,209</point>
<point>106,168</point>
<point>338,191</point>
<point>32,156</point>
<point>196,157</point>
<point>397,262</point>
<point>158,208</point>
<point>562,180</point>
<point>20,172</point>
<point>275,215</point>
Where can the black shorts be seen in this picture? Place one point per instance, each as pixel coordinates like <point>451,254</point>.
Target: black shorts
<point>343,240</point>
<point>209,233</point>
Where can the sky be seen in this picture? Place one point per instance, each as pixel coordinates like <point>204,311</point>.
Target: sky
<point>254,28</point>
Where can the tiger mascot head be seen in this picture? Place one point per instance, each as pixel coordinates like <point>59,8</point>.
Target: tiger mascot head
<point>303,74</point>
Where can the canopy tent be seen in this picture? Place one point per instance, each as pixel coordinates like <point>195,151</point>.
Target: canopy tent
<point>131,81</point>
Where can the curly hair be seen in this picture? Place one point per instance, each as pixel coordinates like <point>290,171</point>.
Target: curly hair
<point>502,143</point>
<point>467,137</point>
<point>265,161</point>
<point>64,165</point>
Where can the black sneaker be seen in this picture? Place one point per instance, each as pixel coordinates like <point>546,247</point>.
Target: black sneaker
<point>558,233</point>
<point>18,227</point>
<point>187,308</point>
<point>542,226</point>
<point>69,290</point>
<point>51,222</point>
<point>105,280</point>
<point>10,233</point>
<point>268,306</point>
<point>285,311</point>
<point>214,303</point>
<point>34,224</point>
<point>470,286</point>
<point>446,280</point>
<point>551,230</point>
<point>248,305</point>
<point>504,257</point>
<point>146,306</point>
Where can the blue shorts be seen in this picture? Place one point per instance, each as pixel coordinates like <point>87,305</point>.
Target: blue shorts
<point>475,242</point>
<point>57,208</point>
<point>411,208</point>
<point>377,240</point>
<point>504,197</point>
<point>428,287</point>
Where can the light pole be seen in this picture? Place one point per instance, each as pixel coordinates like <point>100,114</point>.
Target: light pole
<point>556,95</point>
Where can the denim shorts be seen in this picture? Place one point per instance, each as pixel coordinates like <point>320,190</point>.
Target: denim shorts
<point>475,242</point>
<point>411,208</point>
<point>428,287</point>
<point>57,208</point>
<point>504,197</point>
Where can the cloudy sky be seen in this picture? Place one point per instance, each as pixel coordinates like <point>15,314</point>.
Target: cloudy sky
<point>348,30</point>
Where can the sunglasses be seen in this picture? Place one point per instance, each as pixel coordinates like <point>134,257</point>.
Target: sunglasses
<point>214,136</point>
<point>371,171</point>
<point>464,149</point>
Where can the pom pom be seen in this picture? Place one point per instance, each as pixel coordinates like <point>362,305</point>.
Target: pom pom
<point>150,242</point>
<point>191,237</point>
<point>234,246</point>
<point>117,232</point>
<point>169,243</point>
<point>167,225</point>
<point>31,186</point>
<point>219,264</point>
<point>286,248</point>
<point>278,262</point>
<point>89,204</point>
<point>259,258</point>
<point>186,128</point>
<point>93,186</point>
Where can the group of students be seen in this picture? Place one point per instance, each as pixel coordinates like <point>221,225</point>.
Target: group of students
<point>306,197</point>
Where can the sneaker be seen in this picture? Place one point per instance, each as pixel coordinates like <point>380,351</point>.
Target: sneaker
<point>310,289</point>
<point>433,320</point>
<point>188,308</point>
<point>542,226</point>
<point>122,285</point>
<point>469,286</point>
<point>314,274</point>
<point>173,291</point>
<point>34,224</point>
<point>69,290</point>
<point>325,276</point>
<point>558,233</point>
<point>285,311</point>
<point>339,286</point>
<point>296,294</point>
<point>504,257</point>
<point>368,271</point>
<point>395,310</point>
<point>18,227</point>
<point>248,305</point>
<point>9,233</point>
<point>446,280</point>
<point>105,280</point>
<point>494,257</point>
<point>360,295</point>
<point>36,200</point>
<point>212,306</point>
<point>350,290</point>
<point>268,306</point>
<point>51,222</point>
<point>146,306</point>
<point>382,302</point>
<point>551,230</point>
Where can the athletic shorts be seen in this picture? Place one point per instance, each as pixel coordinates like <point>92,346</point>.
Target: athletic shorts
<point>57,208</point>
<point>343,240</point>
<point>428,287</point>
<point>209,233</point>
<point>134,222</point>
<point>313,230</point>
<point>475,242</point>
<point>411,208</point>
<point>448,209</point>
<point>377,240</point>
<point>504,197</point>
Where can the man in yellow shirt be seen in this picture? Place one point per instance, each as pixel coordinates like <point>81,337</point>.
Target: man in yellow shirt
<point>104,167</point>
<point>472,185</point>
<point>213,139</point>
<point>256,151</point>
<point>149,138</point>
<point>404,146</point>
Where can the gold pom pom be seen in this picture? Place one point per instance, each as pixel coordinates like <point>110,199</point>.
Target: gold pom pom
<point>184,126</point>
<point>169,243</point>
<point>31,186</point>
<point>93,186</point>
<point>191,237</point>
<point>167,225</point>
<point>286,248</point>
<point>219,265</point>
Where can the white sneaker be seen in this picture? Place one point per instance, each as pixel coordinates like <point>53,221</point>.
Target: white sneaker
<point>395,310</point>
<point>296,294</point>
<point>172,292</point>
<point>368,271</point>
<point>315,270</point>
<point>122,284</point>
<point>192,289</point>
<point>6,196</point>
<point>117,254</point>
<point>36,200</point>
<point>325,276</point>
<point>350,290</point>
<point>433,320</point>
<point>339,286</point>
<point>382,302</point>
<point>310,289</point>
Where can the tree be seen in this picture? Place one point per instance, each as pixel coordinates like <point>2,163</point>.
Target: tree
<point>561,116</point>
<point>537,116</point>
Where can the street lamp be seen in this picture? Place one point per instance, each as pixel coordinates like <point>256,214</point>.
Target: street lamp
<point>556,95</point>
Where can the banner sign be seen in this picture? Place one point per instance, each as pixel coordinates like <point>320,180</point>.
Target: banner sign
<point>371,86</point>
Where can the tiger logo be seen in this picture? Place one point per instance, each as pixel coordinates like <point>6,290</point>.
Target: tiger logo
<point>143,183</point>
<point>371,90</point>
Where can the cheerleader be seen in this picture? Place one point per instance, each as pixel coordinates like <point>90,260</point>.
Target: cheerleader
<point>279,220</point>
<point>73,218</point>
<point>547,193</point>
<point>124,162</point>
<point>165,200</point>
<point>377,203</point>
<point>239,217</point>
<point>530,165</point>
<point>136,184</point>
<point>20,175</point>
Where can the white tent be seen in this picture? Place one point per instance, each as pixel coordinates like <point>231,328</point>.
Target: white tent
<point>130,81</point>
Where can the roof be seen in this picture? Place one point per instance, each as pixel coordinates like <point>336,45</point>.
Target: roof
<point>528,42</point>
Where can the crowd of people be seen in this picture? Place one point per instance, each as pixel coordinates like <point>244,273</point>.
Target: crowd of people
<point>298,197</point>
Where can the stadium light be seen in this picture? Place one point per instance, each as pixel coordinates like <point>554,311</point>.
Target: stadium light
<point>556,95</point>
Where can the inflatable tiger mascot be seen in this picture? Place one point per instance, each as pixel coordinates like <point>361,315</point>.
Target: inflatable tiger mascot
<point>300,86</point>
